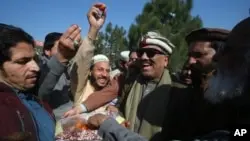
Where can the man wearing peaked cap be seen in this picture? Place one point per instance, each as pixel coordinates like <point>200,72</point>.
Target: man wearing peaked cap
<point>207,34</point>
<point>228,90</point>
<point>203,44</point>
<point>150,89</point>
<point>154,38</point>
<point>204,47</point>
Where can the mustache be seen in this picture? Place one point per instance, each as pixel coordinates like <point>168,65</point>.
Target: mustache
<point>102,77</point>
<point>35,75</point>
<point>198,68</point>
<point>149,61</point>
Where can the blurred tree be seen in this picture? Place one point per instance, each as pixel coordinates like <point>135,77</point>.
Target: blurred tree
<point>111,41</point>
<point>39,50</point>
<point>173,19</point>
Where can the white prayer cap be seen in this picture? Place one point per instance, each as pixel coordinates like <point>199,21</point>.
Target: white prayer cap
<point>124,55</point>
<point>99,58</point>
<point>154,38</point>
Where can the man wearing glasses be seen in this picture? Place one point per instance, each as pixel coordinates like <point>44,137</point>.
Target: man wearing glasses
<point>148,95</point>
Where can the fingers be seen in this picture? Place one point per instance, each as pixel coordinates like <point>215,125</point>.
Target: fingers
<point>75,33</point>
<point>69,31</point>
<point>98,4</point>
<point>78,38</point>
<point>68,114</point>
<point>93,11</point>
<point>96,12</point>
<point>65,115</point>
<point>105,13</point>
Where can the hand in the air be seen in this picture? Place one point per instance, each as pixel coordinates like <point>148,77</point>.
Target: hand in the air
<point>97,15</point>
<point>69,43</point>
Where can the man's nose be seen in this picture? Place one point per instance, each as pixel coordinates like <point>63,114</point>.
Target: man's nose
<point>105,73</point>
<point>33,66</point>
<point>191,60</point>
<point>144,56</point>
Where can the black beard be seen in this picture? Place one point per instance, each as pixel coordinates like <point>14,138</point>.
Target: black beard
<point>226,84</point>
<point>197,68</point>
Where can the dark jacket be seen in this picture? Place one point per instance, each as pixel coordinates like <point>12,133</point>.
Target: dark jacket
<point>110,130</point>
<point>177,123</point>
<point>16,120</point>
<point>54,82</point>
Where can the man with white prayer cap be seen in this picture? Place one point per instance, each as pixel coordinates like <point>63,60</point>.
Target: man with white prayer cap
<point>98,78</point>
<point>121,64</point>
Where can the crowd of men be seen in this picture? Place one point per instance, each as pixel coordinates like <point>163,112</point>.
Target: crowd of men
<point>201,102</point>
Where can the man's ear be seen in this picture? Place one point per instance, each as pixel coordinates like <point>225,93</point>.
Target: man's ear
<point>90,73</point>
<point>47,52</point>
<point>165,61</point>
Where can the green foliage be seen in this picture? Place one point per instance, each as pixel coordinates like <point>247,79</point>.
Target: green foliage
<point>173,19</point>
<point>111,42</point>
<point>39,50</point>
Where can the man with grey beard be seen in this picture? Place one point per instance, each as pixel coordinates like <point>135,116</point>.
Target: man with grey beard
<point>226,101</point>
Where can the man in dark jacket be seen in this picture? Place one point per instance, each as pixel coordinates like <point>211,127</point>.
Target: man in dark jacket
<point>226,100</point>
<point>24,116</point>
<point>57,94</point>
<point>204,44</point>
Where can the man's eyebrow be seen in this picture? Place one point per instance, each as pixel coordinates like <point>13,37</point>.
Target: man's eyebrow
<point>23,58</point>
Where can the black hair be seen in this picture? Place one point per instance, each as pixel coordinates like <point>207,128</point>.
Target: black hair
<point>219,47</point>
<point>10,36</point>
<point>50,40</point>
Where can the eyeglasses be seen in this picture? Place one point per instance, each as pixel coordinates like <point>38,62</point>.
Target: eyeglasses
<point>150,52</point>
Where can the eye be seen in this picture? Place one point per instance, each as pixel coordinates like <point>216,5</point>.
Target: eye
<point>195,54</point>
<point>23,61</point>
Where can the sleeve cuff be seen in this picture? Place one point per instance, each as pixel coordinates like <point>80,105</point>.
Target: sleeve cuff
<point>84,109</point>
<point>55,66</point>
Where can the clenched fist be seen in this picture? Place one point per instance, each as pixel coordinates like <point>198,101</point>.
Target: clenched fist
<point>96,17</point>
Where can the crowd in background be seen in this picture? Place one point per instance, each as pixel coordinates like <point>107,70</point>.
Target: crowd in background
<point>202,101</point>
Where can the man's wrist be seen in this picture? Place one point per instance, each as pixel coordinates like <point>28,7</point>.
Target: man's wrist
<point>62,59</point>
<point>92,35</point>
<point>83,108</point>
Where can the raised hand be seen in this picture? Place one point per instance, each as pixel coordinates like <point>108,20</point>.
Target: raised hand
<point>69,43</point>
<point>97,15</point>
